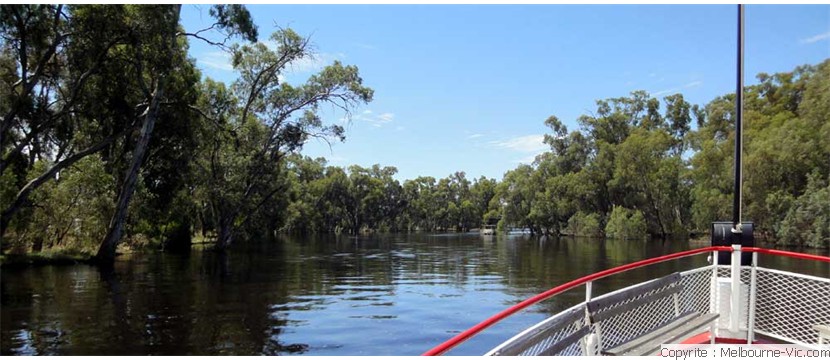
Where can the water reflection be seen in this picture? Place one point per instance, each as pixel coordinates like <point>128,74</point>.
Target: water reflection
<point>377,295</point>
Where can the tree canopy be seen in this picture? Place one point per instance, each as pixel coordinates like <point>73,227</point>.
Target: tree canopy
<point>110,135</point>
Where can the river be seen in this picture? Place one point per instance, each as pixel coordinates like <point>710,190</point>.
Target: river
<point>378,295</point>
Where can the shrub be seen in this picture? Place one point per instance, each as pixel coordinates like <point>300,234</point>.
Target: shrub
<point>808,220</point>
<point>626,224</point>
<point>582,224</point>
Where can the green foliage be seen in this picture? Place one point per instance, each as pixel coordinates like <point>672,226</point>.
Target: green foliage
<point>517,194</point>
<point>224,159</point>
<point>629,155</point>
<point>784,118</point>
<point>235,19</point>
<point>259,121</point>
<point>72,212</point>
<point>807,222</point>
<point>582,224</point>
<point>650,178</point>
<point>626,224</point>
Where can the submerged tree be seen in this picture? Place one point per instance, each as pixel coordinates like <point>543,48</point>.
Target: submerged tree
<point>260,120</point>
<point>50,56</point>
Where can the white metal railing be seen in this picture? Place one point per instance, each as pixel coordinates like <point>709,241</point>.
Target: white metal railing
<point>780,305</point>
<point>788,305</point>
<point>537,339</point>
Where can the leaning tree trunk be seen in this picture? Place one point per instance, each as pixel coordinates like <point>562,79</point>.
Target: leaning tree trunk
<point>106,252</point>
<point>23,195</point>
<point>225,232</point>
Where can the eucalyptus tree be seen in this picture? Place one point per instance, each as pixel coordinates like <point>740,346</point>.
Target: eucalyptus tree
<point>807,222</point>
<point>482,193</point>
<point>649,177</point>
<point>306,193</point>
<point>678,121</point>
<point>159,49</point>
<point>88,78</point>
<point>259,120</point>
<point>422,209</point>
<point>712,183</point>
<point>156,53</point>
<point>49,57</point>
<point>517,194</point>
<point>461,214</point>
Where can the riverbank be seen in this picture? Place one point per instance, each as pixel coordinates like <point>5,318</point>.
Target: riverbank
<point>50,257</point>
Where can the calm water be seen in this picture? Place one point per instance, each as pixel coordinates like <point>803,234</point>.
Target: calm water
<point>384,295</point>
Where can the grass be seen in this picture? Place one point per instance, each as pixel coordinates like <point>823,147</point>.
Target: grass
<point>60,256</point>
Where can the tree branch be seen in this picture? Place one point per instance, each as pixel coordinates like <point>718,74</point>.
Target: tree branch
<point>30,82</point>
<point>24,193</point>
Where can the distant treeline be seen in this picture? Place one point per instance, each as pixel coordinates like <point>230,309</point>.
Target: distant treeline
<point>634,168</point>
<point>111,135</point>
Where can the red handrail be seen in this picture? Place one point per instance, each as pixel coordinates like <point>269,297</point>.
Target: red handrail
<point>451,343</point>
<point>787,254</point>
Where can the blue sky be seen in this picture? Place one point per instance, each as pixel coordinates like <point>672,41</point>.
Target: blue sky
<point>468,87</point>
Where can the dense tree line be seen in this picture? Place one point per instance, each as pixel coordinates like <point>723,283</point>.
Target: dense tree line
<point>108,129</point>
<point>634,170</point>
<point>354,200</point>
<point>110,135</point>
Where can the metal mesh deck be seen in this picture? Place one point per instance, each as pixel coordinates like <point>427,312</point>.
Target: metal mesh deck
<point>787,307</point>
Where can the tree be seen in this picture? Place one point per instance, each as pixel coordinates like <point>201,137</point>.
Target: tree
<point>679,118</point>
<point>260,120</point>
<point>584,224</point>
<point>421,197</point>
<point>56,54</point>
<point>482,193</point>
<point>162,45</point>
<point>807,222</point>
<point>626,224</point>
<point>517,193</point>
<point>164,23</point>
<point>650,179</point>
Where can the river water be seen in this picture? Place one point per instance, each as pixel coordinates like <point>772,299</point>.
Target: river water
<point>378,295</point>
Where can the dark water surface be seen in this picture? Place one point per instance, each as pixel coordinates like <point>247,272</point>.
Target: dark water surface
<point>380,295</point>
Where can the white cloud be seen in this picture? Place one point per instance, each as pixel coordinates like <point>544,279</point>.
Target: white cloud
<point>816,38</point>
<point>314,62</point>
<point>221,60</point>
<point>376,120</point>
<point>386,117</point>
<point>366,46</point>
<point>525,144</point>
<point>690,85</point>
<point>526,160</point>
<point>664,92</point>
<point>473,136</point>
<point>218,60</point>
<point>336,159</point>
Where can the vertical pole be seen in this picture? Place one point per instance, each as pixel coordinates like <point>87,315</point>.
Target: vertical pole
<point>713,291</point>
<point>739,99</point>
<point>589,342</point>
<point>753,291</point>
<point>735,297</point>
<point>676,300</point>
<point>588,287</point>
<point>734,318</point>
